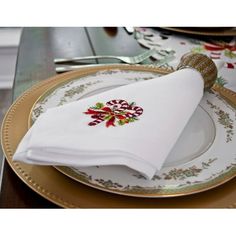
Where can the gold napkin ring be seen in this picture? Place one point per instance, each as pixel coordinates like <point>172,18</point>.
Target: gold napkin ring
<point>202,64</point>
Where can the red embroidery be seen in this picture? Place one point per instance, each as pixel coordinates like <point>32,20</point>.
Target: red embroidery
<point>115,112</point>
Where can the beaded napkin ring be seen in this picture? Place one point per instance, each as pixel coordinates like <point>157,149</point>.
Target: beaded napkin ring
<point>202,64</point>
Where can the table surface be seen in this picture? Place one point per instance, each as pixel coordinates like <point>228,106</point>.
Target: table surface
<point>38,48</point>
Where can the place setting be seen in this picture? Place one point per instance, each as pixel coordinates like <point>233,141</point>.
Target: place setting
<point>155,130</point>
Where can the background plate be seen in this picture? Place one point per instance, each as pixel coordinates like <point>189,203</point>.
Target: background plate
<point>207,31</point>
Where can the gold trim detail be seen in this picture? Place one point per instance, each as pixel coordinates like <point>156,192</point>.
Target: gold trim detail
<point>157,193</point>
<point>227,94</point>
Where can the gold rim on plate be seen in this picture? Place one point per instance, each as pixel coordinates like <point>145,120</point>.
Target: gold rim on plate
<point>65,192</point>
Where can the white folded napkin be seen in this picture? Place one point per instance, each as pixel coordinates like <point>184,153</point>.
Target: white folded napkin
<point>135,125</point>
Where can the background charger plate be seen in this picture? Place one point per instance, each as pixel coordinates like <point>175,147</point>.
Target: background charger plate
<point>205,31</point>
<point>63,191</point>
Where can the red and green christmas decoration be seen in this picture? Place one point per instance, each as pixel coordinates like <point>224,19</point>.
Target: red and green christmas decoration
<point>115,112</point>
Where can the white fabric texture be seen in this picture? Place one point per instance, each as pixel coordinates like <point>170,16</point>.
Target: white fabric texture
<point>163,106</point>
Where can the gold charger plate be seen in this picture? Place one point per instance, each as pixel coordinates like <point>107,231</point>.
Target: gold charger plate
<point>57,188</point>
<point>207,31</point>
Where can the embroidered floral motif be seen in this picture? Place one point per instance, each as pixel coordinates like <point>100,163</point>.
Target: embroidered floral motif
<point>115,112</point>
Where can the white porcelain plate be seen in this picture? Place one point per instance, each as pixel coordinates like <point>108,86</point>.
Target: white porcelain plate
<point>203,157</point>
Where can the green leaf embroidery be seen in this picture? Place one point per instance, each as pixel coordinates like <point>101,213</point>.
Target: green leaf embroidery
<point>132,119</point>
<point>121,122</point>
<point>107,117</point>
<point>99,105</point>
